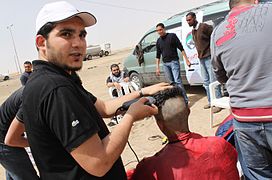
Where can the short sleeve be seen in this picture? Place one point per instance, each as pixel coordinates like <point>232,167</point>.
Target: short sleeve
<point>108,80</point>
<point>19,115</point>
<point>178,43</point>
<point>92,97</point>
<point>158,54</point>
<point>23,80</point>
<point>70,116</point>
<point>19,105</point>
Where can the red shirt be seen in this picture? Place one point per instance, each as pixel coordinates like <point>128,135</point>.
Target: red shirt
<point>191,157</point>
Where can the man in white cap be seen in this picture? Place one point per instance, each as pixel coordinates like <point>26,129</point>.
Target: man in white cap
<point>66,132</point>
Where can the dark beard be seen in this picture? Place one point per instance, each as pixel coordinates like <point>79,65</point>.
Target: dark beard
<point>65,67</point>
<point>118,75</point>
<point>62,66</point>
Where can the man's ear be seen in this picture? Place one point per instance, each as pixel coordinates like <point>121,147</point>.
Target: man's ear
<point>40,42</point>
<point>256,2</point>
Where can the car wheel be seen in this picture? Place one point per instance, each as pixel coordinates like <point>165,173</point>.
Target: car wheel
<point>106,53</point>
<point>137,79</point>
<point>6,78</point>
<point>89,57</point>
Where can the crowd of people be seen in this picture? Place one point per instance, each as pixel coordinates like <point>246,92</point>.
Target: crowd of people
<point>64,122</point>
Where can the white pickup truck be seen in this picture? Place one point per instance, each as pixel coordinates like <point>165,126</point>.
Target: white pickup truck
<point>95,50</point>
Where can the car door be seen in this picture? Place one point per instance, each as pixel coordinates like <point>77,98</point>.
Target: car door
<point>148,44</point>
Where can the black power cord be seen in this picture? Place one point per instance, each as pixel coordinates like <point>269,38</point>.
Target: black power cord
<point>129,145</point>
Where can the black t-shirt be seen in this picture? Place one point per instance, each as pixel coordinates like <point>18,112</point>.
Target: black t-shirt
<point>167,47</point>
<point>24,77</point>
<point>60,115</point>
<point>10,109</point>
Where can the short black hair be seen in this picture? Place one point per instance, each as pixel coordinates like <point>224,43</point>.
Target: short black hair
<point>27,62</point>
<point>191,14</point>
<point>161,25</point>
<point>46,29</point>
<point>113,66</point>
<point>162,96</point>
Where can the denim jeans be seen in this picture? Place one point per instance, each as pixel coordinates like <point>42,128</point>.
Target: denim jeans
<point>172,73</point>
<point>208,77</point>
<point>254,147</point>
<point>17,163</point>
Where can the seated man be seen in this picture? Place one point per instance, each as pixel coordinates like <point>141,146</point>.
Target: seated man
<point>113,81</point>
<point>187,155</point>
<point>116,77</point>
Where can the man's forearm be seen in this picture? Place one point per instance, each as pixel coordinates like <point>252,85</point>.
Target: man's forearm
<point>185,56</point>
<point>110,85</point>
<point>112,105</point>
<point>157,63</point>
<point>115,142</point>
<point>99,159</point>
<point>20,142</point>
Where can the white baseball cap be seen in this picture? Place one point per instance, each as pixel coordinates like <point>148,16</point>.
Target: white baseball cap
<point>61,11</point>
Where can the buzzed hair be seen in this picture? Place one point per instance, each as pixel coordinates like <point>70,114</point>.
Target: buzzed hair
<point>27,62</point>
<point>172,106</point>
<point>191,14</point>
<point>114,66</point>
<point>160,25</point>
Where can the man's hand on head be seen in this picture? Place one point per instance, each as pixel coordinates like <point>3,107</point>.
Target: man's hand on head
<point>139,110</point>
<point>150,90</point>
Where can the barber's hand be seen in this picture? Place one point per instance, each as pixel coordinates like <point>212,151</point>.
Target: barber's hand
<point>150,90</point>
<point>139,110</point>
<point>117,86</point>
<point>158,72</point>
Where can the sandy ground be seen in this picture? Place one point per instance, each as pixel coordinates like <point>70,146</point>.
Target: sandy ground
<point>145,136</point>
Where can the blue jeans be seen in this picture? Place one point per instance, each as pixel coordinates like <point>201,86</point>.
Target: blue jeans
<point>208,77</point>
<point>254,147</point>
<point>17,163</point>
<point>172,73</point>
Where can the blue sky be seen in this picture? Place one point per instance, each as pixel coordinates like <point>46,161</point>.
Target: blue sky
<point>120,22</point>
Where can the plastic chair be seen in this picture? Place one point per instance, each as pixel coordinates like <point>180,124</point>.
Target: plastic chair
<point>127,87</point>
<point>222,102</point>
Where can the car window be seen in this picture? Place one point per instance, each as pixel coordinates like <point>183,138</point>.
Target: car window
<point>149,42</point>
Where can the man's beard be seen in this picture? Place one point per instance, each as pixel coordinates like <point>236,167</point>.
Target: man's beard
<point>64,66</point>
<point>117,74</point>
<point>53,58</point>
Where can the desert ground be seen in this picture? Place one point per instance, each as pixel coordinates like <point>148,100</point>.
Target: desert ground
<point>145,137</point>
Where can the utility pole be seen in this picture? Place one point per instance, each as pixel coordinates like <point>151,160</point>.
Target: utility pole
<point>16,64</point>
<point>16,54</point>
